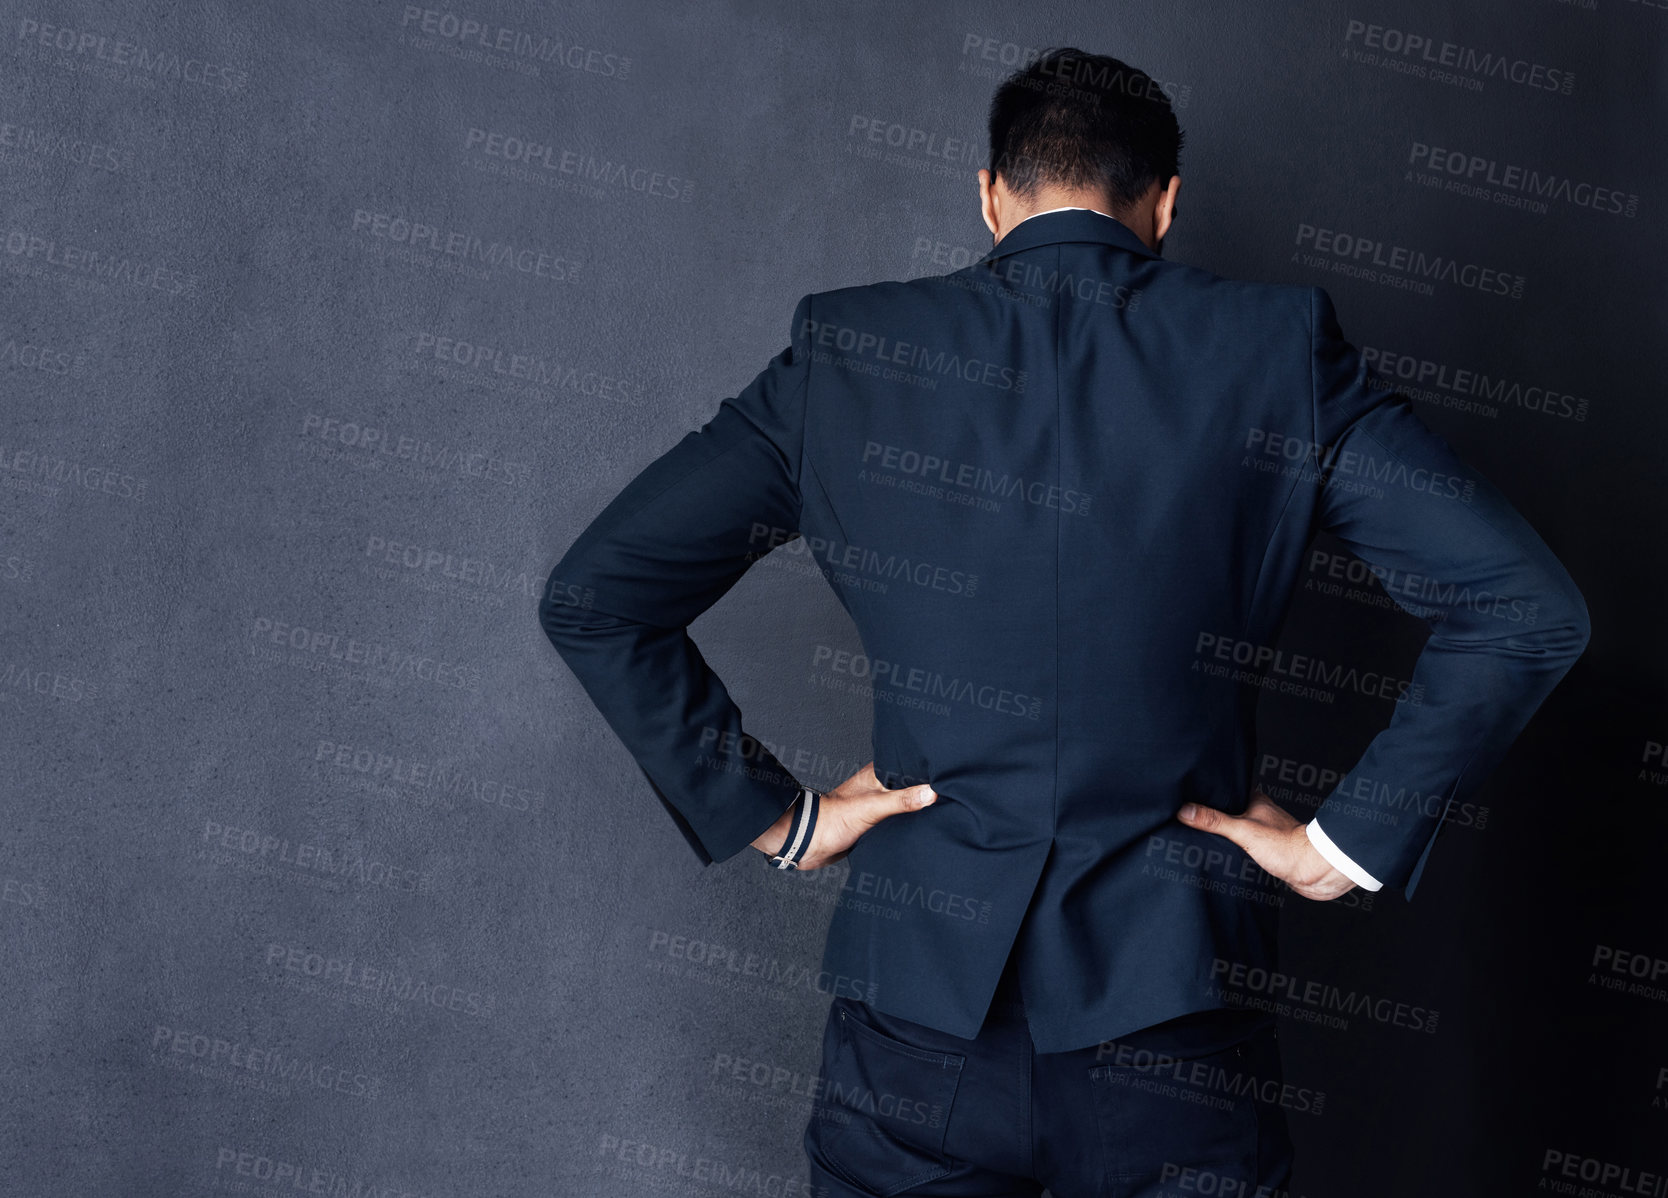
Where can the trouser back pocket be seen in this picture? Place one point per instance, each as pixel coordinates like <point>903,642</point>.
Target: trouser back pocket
<point>883,1106</point>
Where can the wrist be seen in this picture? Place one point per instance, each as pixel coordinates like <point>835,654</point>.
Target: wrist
<point>768,841</point>
<point>788,840</point>
<point>1336,859</point>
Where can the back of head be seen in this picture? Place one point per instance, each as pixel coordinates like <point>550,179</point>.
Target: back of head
<point>1081,121</point>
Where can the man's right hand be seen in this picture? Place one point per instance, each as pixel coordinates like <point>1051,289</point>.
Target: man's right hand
<point>846,812</point>
<point>1275,840</point>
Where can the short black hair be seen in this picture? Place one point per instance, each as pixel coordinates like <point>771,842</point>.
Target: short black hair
<point>1075,119</point>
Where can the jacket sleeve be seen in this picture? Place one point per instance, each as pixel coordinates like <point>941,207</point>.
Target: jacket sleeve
<point>680,535</point>
<point>1506,620</point>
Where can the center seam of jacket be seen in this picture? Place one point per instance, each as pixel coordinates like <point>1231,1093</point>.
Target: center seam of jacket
<point>1059,480</point>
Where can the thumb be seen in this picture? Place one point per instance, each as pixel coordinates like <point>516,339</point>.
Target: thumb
<point>913,798</point>
<point>1208,819</point>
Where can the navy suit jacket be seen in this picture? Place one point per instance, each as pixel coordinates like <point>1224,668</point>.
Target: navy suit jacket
<point>1064,494</point>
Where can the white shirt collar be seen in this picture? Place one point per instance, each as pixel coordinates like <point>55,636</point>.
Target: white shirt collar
<point>1067,208</point>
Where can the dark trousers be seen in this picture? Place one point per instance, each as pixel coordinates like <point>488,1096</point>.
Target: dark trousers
<point>1184,1108</point>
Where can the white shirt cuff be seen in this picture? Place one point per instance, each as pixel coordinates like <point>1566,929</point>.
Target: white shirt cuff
<point>1338,859</point>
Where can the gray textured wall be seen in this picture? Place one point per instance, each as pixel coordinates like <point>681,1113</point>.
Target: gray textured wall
<point>316,861</point>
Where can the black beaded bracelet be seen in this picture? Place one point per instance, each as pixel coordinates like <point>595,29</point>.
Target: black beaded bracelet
<point>800,831</point>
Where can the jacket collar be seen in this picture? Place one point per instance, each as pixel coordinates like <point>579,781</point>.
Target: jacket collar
<point>1074,224</point>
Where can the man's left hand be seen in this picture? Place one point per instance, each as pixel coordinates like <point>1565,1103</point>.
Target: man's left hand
<point>1276,841</point>
<point>845,813</point>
